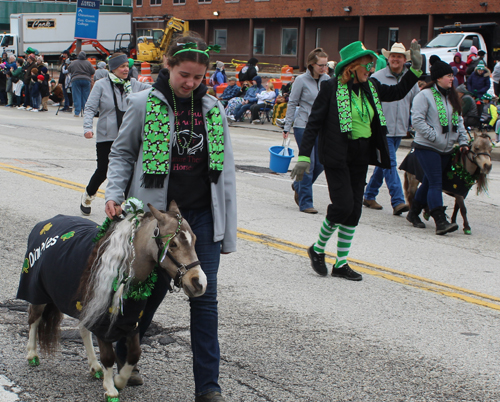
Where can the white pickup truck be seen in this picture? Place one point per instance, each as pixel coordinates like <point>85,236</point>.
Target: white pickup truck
<point>460,38</point>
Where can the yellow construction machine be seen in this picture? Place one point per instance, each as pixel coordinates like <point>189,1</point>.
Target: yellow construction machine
<point>152,48</point>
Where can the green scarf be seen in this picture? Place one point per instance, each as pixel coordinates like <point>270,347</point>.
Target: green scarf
<point>155,147</point>
<point>127,87</point>
<point>443,118</point>
<point>344,106</point>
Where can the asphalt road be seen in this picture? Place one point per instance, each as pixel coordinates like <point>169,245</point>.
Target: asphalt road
<point>423,325</point>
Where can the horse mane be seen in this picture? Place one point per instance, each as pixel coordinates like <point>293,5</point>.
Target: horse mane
<point>110,259</point>
<point>482,179</point>
<point>482,183</point>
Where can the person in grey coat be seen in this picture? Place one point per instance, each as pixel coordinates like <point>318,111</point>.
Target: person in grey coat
<point>174,145</point>
<point>101,71</point>
<point>438,124</point>
<point>305,89</point>
<point>397,116</point>
<point>81,71</point>
<point>108,99</point>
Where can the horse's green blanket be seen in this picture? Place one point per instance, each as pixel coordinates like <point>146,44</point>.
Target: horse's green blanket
<point>57,255</point>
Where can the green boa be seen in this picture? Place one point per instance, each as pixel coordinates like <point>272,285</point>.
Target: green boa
<point>127,87</point>
<point>156,150</point>
<point>443,118</point>
<point>344,106</point>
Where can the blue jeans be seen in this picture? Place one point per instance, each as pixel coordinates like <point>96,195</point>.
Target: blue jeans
<point>304,187</point>
<point>430,191</point>
<point>240,110</point>
<point>204,314</point>
<point>81,91</point>
<point>391,177</point>
<point>67,99</point>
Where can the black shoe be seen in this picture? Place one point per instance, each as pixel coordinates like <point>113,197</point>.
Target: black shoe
<point>413,215</point>
<point>346,272</point>
<point>442,224</point>
<point>213,396</point>
<point>317,261</point>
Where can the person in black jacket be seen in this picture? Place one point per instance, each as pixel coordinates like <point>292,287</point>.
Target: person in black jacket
<point>348,118</point>
<point>249,71</point>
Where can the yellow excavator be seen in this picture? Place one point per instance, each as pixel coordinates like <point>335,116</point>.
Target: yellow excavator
<point>152,48</point>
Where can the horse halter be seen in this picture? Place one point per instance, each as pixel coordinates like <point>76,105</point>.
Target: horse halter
<point>182,269</point>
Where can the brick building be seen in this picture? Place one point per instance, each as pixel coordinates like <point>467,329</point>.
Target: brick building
<point>284,31</point>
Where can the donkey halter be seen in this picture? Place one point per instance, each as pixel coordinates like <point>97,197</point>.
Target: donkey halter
<point>182,269</point>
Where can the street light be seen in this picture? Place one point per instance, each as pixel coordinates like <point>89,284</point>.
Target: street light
<point>348,9</point>
<point>216,13</point>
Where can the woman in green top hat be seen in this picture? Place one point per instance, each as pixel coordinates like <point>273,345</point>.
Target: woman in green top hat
<point>347,116</point>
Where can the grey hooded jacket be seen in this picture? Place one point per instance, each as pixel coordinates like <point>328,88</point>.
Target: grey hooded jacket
<point>397,114</point>
<point>101,100</point>
<point>125,162</point>
<point>305,89</point>
<point>428,130</point>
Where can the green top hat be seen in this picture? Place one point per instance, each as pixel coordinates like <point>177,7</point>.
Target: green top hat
<point>350,53</point>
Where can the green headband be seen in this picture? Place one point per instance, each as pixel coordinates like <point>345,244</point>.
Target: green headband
<point>193,47</point>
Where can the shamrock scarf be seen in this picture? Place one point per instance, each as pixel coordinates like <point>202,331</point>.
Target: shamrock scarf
<point>344,106</point>
<point>118,81</point>
<point>443,118</point>
<point>156,150</point>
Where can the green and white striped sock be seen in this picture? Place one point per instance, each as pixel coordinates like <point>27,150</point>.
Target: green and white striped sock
<point>346,233</point>
<point>326,231</point>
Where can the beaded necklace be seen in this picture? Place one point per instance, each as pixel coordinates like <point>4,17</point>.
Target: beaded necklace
<point>176,119</point>
<point>364,106</point>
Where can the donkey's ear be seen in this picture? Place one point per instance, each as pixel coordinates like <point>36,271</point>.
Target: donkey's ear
<point>173,207</point>
<point>157,214</point>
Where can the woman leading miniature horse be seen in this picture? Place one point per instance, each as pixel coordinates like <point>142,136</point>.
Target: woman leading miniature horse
<point>174,143</point>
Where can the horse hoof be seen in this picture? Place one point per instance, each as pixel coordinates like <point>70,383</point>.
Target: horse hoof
<point>34,362</point>
<point>98,374</point>
<point>467,231</point>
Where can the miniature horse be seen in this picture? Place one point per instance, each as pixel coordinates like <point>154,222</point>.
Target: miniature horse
<point>104,281</point>
<point>475,165</point>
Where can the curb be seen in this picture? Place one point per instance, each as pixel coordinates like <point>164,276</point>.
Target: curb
<point>405,143</point>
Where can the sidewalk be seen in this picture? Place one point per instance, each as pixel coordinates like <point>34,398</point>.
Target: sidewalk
<point>405,143</point>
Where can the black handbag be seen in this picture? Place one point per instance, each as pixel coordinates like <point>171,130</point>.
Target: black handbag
<point>119,113</point>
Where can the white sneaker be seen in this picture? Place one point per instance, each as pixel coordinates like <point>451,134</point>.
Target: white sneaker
<point>21,107</point>
<point>55,104</point>
<point>29,108</point>
<point>85,204</point>
<point>231,118</point>
<point>33,110</point>
<point>256,121</point>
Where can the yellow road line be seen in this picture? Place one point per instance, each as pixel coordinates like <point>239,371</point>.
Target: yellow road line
<point>364,267</point>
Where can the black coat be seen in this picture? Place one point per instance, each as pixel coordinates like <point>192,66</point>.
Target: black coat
<point>324,121</point>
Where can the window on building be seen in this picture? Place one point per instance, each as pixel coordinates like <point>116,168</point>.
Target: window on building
<point>289,41</point>
<point>259,40</point>
<point>393,37</point>
<point>155,2</point>
<point>220,38</point>
<point>347,35</point>
<point>204,1</point>
<point>318,37</point>
<point>138,3</point>
<point>179,1</point>
<point>232,1</point>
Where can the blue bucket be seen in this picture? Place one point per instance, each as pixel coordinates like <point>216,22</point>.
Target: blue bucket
<point>279,163</point>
